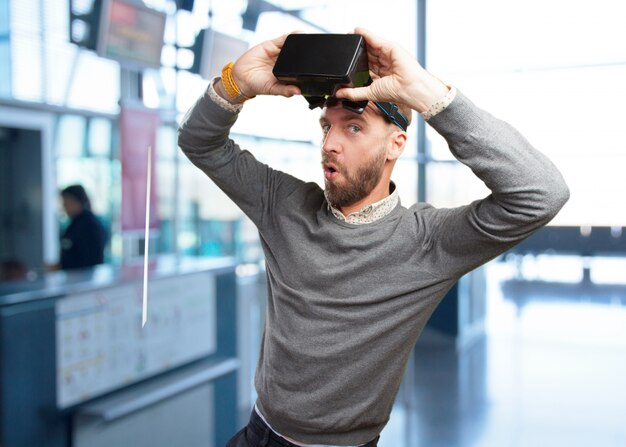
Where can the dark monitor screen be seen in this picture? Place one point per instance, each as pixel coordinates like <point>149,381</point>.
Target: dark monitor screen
<point>131,33</point>
<point>215,50</point>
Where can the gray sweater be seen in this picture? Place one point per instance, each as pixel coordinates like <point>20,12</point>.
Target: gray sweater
<point>346,303</point>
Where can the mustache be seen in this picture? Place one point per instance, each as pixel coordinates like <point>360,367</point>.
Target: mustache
<point>327,158</point>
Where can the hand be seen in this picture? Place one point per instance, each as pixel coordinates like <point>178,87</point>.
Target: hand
<point>397,77</point>
<point>253,71</point>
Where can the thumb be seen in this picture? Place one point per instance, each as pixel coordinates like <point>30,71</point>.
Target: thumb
<point>353,93</point>
<point>284,90</point>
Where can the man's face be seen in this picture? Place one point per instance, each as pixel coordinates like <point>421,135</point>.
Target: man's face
<point>354,153</point>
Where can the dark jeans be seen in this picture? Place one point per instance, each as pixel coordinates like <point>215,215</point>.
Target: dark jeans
<point>258,434</point>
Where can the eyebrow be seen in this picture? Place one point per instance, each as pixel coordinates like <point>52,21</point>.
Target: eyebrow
<point>351,117</point>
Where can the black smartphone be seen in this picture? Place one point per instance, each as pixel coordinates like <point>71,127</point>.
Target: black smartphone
<point>321,63</point>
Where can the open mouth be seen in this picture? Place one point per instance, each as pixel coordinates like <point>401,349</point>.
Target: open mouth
<point>330,171</point>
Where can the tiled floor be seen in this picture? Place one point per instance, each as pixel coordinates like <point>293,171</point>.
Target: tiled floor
<point>550,372</point>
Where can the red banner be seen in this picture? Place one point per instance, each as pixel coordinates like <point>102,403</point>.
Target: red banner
<point>138,130</point>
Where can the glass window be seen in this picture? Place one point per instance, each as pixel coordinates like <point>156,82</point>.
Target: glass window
<point>26,68</point>
<point>167,165</point>
<point>70,136</point>
<point>189,87</point>
<point>5,67</point>
<point>45,67</point>
<point>5,50</point>
<point>279,118</point>
<point>167,147</point>
<point>83,156</point>
<point>405,178</point>
<point>100,137</point>
<point>442,185</point>
<point>529,63</point>
<point>96,84</point>
<point>59,78</point>
<point>4,17</point>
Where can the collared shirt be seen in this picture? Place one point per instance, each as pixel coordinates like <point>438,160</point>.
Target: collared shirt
<point>370,213</point>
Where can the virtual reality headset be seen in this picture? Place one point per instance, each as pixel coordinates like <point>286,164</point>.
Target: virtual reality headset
<point>320,64</point>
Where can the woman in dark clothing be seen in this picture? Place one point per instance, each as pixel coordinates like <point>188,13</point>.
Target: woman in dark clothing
<point>82,243</point>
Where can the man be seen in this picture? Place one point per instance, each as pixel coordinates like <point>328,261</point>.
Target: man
<point>353,276</point>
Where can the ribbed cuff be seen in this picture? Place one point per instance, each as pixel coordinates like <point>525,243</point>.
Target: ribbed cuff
<point>216,98</point>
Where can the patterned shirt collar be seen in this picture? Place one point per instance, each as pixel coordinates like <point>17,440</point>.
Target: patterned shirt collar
<point>369,213</point>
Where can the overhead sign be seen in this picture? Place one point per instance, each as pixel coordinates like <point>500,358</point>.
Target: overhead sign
<point>131,33</point>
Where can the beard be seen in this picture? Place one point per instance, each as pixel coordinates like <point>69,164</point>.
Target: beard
<point>356,185</point>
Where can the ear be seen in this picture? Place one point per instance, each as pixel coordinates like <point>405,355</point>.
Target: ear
<point>397,143</point>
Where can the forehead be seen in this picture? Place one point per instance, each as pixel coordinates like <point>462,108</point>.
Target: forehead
<point>338,112</point>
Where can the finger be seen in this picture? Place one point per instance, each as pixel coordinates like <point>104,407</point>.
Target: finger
<point>284,90</point>
<point>353,93</point>
<point>374,43</point>
<point>374,69</point>
<point>378,52</point>
<point>274,46</point>
<point>279,41</point>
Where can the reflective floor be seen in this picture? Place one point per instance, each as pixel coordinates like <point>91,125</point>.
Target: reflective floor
<point>550,372</point>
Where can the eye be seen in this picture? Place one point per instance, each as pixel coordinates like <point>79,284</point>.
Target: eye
<point>353,128</point>
<point>325,128</point>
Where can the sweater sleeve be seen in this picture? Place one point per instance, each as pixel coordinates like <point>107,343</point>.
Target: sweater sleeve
<point>204,138</point>
<point>527,191</point>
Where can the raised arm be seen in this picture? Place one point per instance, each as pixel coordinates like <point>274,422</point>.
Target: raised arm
<point>204,135</point>
<point>527,190</point>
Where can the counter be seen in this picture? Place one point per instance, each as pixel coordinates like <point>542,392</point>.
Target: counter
<point>77,369</point>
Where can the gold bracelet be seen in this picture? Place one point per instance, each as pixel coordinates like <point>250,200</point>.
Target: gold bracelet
<point>230,86</point>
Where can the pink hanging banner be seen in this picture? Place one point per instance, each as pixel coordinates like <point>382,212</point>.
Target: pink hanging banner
<point>138,130</point>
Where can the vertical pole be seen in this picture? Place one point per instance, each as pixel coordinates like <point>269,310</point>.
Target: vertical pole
<point>409,390</point>
<point>421,125</point>
<point>177,164</point>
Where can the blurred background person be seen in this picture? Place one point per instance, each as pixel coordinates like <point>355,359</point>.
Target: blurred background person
<point>83,241</point>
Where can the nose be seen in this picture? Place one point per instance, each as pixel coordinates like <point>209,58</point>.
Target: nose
<point>330,142</point>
